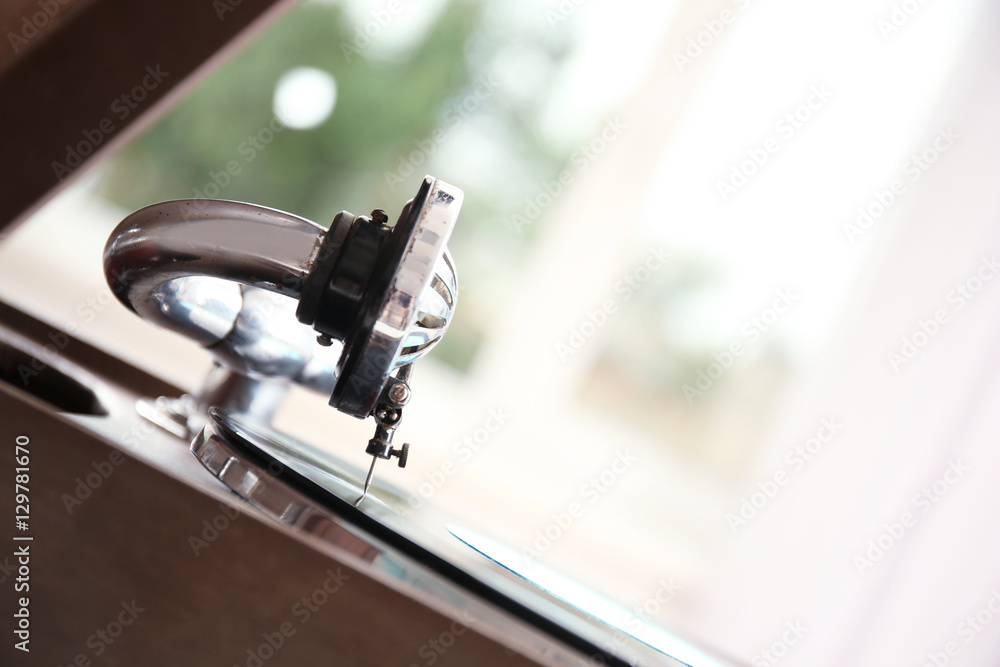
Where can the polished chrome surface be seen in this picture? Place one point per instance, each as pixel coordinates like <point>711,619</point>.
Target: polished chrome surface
<point>178,415</point>
<point>225,274</point>
<point>219,271</point>
<point>200,307</point>
<point>435,307</point>
<point>267,341</point>
<point>243,243</point>
<point>422,296</point>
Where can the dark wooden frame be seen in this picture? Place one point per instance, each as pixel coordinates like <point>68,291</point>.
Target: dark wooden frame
<point>63,91</point>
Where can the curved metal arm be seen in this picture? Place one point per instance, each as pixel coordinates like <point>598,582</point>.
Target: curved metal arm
<point>198,267</point>
<point>243,243</point>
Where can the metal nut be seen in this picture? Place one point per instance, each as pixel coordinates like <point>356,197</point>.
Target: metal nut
<point>399,394</point>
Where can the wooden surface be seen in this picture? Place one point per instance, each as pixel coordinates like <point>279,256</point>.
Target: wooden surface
<point>63,89</point>
<point>203,603</point>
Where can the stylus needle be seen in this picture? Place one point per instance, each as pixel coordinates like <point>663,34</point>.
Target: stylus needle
<point>368,480</point>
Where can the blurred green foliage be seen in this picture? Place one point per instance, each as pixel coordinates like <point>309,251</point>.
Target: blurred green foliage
<point>204,146</point>
<point>313,173</point>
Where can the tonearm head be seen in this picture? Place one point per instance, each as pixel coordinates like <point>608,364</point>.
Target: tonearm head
<point>385,293</point>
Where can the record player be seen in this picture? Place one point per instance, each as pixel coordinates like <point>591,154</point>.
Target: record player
<point>347,311</point>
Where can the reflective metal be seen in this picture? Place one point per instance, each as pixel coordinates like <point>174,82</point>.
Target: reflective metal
<point>435,307</point>
<point>225,274</point>
<point>312,492</point>
<point>207,269</point>
<point>406,329</point>
<point>243,243</point>
<point>411,322</point>
<point>203,268</point>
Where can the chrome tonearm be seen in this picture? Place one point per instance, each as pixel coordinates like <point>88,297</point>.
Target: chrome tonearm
<point>197,267</point>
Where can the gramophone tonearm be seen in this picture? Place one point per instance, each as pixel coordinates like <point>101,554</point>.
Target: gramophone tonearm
<point>385,293</point>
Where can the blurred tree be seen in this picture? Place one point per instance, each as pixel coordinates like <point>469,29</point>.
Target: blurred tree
<point>379,107</point>
<point>223,141</point>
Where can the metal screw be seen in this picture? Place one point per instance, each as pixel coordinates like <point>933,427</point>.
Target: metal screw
<point>403,454</point>
<point>399,394</point>
<point>324,340</point>
<point>386,416</point>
